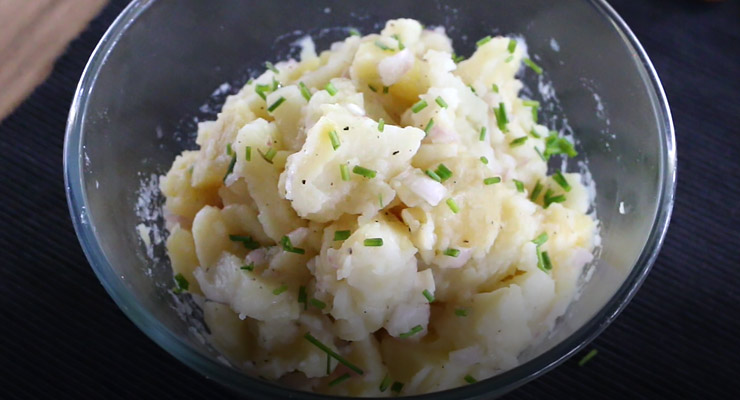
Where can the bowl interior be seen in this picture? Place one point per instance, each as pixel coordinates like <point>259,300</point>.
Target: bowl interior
<point>162,66</point>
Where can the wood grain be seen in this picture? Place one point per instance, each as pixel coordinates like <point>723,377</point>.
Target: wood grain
<point>33,33</point>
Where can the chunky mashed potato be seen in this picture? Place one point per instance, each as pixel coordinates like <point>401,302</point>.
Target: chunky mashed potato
<point>379,219</point>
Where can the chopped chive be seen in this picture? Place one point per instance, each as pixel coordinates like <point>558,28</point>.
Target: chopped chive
<point>501,118</point>
<point>302,296</point>
<point>484,160</point>
<point>342,235</point>
<point>539,153</point>
<point>518,141</point>
<point>247,241</point>
<point>429,126</point>
<point>228,149</point>
<point>433,175</point>
<point>261,90</point>
<point>443,172</point>
<point>554,199</point>
<point>382,46</point>
<point>428,295</point>
<point>492,180</point>
<point>230,169</point>
<point>381,125</point>
<point>280,290</point>
<point>304,91</point>
<point>482,134</point>
<point>412,332</point>
<point>271,67</point>
<point>397,387</point>
<point>373,242</point>
<point>276,104</point>
<point>472,89</point>
<point>519,185</point>
<point>385,89</point>
<point>420,105</point>
<point>461,312</point>
<point>296,250</point>
<point>354,32</point>
<point>591,354</point>
<point>331,89</point>
<point>558,145</point>
<point>332,353</point>
<point>269,155</point>
<point>181,283</point>
<point>456,58</point>
<point>287,246</point>
<point>483,41</point>
<point>531,103</point>
<point>535,116</point>
<point>512,46</point>
<point>275,84</point>
<point>373,88</point>
<point>541,261</point>
<point>317,303</point>
<point>508,59</point>
<point>385,383</point>
<point>546,261</point>
<point>250,81</point>
<point>339,380</point>
<point>536,68</point>
<point>536,191</point>
<point>334,139</point>
<point>248,153</point>
<point>442,103</point>
<point>534,134</point>
<point>470,379</point>
<point>248,267</point>
<point>380,200</point>
<point>560,180</point>
<point>495,88</point>
<point>453,206</point>
<point>400,43</point>
<point>541,239</point>
<point>452,252</point>
<point>344,172</point>
<point>362,171</point>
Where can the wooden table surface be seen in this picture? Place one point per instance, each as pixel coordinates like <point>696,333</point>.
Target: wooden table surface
<point>33,33</point>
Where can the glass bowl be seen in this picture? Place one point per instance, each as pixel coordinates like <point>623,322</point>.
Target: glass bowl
<point>162,66</point>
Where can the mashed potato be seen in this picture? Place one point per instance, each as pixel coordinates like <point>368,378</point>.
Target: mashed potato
<point>379,218</point>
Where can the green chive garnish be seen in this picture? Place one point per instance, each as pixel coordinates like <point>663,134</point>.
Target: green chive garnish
<point>302,296</point>
<point>536,191</point>
<point>501,118</point>
<point>344,172</point>
<point>271,152</point>
<point>558,145</point>
<point>400,43</point>
<point>472,89</point>
<point>433,175</point>
<point>484,160</point>
<point>334,140</point>
<point>339,380</point>
<point>248,267</point>
<point>512,46</point>
<point>541,239</point>
<point>420,105</point>
<point>228,149</point>
<point>354,32</point>
<point>442,103</point>
<point>271,67</point>
<point>331,89</point>
<point>591,354</point>
<point>483,41</point>
<point>539,153</point>
<point>469,378</point>
<point>261,90</point>
<point>519,185</point>
<point>429,126</point>
<point>554,199</point>
<point>536,68</point>
<point>373,88</point>
<point>508,59</point>
<point>397,387</point>
<point>461,312</point>
<point>380,200</point>
<point>531,103</point>
<point>304,91</point>
<point>443,172</point>
<point>382,46</point>
<point>482,135</point>
<point>342,235</point>
<point>385,383</point>
<point>373,242</point>
<point>560,180</point>
<point>518,141</point>
<point>381,125</point>
<point>330,352</point>
<point>280,290</point>
<point>456,58</point>
<point>248,153</point>
<point>247,241</point>
<point>231,168</point>
<point>412,332</point>
<point>534,134</point>
<point>453,206</point>
<point>362,171</point>
<point>318,304</point>
<point>276,104</point>
<point>495,88</point>
<point>428,295</point>
<point>452,252</point>
<point>546,261</point>
<point>492,180</point>
<point>287,246</point>
<point>385,89</point>
<point>181,283</point>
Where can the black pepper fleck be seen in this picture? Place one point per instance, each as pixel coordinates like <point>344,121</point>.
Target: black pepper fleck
<point>396,152</point>
<point>346,128</point>
<point>303,181</point>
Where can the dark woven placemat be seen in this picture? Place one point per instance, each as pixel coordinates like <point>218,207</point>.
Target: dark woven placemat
<point>61,336</point>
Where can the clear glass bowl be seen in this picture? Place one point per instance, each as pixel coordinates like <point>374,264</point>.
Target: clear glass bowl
<point>159,61</point>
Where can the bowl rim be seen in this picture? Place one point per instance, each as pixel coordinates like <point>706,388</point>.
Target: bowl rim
<point>497,385</point>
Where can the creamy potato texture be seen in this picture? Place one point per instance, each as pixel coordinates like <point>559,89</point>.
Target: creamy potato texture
<point>383,201</point>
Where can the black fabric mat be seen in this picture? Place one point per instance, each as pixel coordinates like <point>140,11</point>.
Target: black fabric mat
<point>61,336</point>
